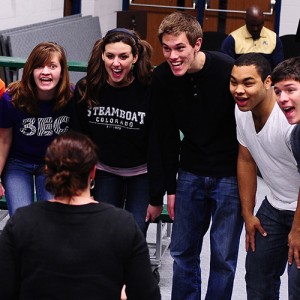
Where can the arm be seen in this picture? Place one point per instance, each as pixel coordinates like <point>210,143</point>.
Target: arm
<point>171,205</point>
<point>139,280</point>
<point>294,237</point>
<point>5,143</point>
<point>228,46</point>
<point>153,211</point>
<point>155,172</point>
<point>247,182</point>
<point>2,87</point>
<point>79,120</point>
<point>165,144</point>
<point>277,55</point>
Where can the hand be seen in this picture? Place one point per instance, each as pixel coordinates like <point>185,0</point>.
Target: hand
<point>252,224</point>
<point>153,212</point>
<point>2,191</point>
<point>294,246</point>
<point>171,206</point>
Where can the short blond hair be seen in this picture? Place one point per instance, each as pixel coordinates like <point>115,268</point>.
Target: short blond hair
<point>179,22</point>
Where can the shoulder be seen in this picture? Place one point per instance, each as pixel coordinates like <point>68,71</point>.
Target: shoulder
<point>240,33</point>
<point>242,117</point>
<point>266,32</point>
<point>80,85</point>
<point>228,40</point>
<point>6,99</point>
<point>218,61</point>
<point>162,71</point>
<point>220,57</point>
<point>2,87</point>
<point>115,212</point>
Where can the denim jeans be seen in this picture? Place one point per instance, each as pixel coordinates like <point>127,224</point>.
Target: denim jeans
<point>21,181</point>
<point>265,266</point>
<point>199,201</point>
<point>130,193</point>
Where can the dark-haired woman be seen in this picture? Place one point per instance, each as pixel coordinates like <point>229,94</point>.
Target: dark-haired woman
<point>72,247</point>
<point>113,110</point>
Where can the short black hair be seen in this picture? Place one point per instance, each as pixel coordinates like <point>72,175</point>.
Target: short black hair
<point>261,64</point>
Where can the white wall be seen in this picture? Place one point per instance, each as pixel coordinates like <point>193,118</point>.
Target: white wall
<point>289,16</point>
<point>14,13</point>
<point>105,9</point>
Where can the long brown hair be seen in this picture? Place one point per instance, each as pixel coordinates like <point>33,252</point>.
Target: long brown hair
<point>23,92</point>
<point>69,160</point>
<point>91,86</point>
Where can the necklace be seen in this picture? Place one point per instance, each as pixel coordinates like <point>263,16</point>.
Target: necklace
<point>75,200</point>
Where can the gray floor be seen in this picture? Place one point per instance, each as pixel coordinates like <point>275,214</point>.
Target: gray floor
<point>239,289</point>
<point>165,270</point>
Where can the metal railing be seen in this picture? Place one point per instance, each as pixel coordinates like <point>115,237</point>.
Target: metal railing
<point>164,6</point>
<point>207,8</point>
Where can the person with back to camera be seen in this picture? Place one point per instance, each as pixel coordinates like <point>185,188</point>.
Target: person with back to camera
<point>33,111</point>
<point>73,247</point>
<point>264,136</point>
<point>254,37</point>
<point>191,94</point>
<point>113,109</point>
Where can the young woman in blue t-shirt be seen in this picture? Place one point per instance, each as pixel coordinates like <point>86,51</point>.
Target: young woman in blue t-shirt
<point>33,111</point>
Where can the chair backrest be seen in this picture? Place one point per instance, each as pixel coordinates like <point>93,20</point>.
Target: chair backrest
<point>291,47</point>
<point>212,40</point>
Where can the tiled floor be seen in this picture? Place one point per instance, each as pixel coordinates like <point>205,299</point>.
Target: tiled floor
<point>165,270</point>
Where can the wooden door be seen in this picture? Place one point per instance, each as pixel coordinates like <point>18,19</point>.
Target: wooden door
<point>154,17</point>
<point>210,13</point>
<point>216,19</point>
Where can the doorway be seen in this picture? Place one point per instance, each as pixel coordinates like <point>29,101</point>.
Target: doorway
<point>213,15</point>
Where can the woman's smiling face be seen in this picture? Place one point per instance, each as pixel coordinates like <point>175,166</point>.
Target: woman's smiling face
<point>118,60</point>
<point>47,77</point>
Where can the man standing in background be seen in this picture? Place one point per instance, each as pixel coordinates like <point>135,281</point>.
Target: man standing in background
<point>254,37</point>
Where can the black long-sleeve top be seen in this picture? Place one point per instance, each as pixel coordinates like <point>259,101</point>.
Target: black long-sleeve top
<point>55,251</point>
<point>119,125</point>
<point>201,107</point>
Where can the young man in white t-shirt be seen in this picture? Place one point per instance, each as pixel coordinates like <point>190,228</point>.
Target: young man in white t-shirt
<point>264,137</point>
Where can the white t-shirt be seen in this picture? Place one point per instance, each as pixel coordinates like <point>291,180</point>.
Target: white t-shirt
<point>271,150</point>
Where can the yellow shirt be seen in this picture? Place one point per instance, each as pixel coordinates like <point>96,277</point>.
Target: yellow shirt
<point>244,42</point>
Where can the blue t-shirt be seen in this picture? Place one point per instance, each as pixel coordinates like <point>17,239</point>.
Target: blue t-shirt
<point>33,134</point>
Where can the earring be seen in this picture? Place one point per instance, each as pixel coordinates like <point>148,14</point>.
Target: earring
<point>92,184</point>
<point>132,67</point>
